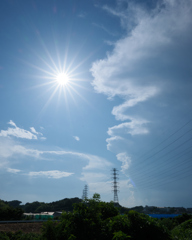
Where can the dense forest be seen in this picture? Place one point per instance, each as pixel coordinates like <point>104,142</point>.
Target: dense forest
<point>37,207</point>
<point>96,220</point>
<point>61,205</point>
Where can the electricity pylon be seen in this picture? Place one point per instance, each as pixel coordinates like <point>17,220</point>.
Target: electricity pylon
<point>115,185</point>
<point>85,193</point>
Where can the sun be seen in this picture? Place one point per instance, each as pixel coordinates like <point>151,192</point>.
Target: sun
<point>62,79</point>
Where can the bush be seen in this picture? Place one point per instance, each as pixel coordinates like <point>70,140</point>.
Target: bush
<point>144,227</point>
<point>183,231</point>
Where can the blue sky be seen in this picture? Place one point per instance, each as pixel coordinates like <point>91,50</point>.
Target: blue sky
<point>86,86</point>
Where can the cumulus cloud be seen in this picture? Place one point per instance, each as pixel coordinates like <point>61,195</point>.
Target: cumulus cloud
<point>125,159</point>
<point>148,62</point>
<point>128,71</point>
<point>134,127</point>
<point>50,174</point>
<point>112,140</point>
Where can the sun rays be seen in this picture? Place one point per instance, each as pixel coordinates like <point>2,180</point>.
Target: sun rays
<point>63,79</point>
<point>58,76</point>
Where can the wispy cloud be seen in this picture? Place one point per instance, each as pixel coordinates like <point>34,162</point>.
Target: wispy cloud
<point>92,167</point>
<point>34,131</point>
<point>12,170</point>
<point>82,15</point>
<point>93,177</point>
<point>105,29</point>
<point>76,138</point>
<point>19,132</point>
<point>11,149</point>
<point>94,162</point>
<point>12,123</point>
<point>50,174</point>
<point>43,138</point>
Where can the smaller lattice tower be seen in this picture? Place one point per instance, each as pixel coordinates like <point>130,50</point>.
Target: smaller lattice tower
<point>85,193</point>
<point>115,186</point>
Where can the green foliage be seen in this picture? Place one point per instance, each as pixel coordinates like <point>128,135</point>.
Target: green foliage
<point>3,204</point>
<point>96,197</point>
<point>19,236</point>
<point>62,205</point>
<point>144,227</point>
<point>120,236</point>
<point>119,223</point>
<point>49,230</point>
<point>182,218</point>
<point>72,237</point>
<point>183,231</point>
<point>167,223</point>
<point>97,220</point>
<point>14,203</point>
<point>9,213</point>
<point>3,236</point>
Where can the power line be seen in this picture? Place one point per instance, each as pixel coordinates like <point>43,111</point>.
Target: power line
<point>165,147</point>
<point>160,157</point>
<point>166,139</point>
<point>164,172</point>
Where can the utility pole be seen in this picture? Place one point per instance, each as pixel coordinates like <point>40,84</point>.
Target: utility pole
<point>85,193</point>
<point>115,186</point>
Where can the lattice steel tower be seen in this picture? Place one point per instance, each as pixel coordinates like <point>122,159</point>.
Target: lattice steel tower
<point>85,192</point>
<point>115,185</point>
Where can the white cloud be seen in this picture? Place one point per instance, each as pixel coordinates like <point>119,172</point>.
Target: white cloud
<point>76,138</point>
<point>94,162</point>
<point>50,174</point>
<point>43,138</point>
<point>112,140</point>
<point>125,159</point>
<point>118,74</point>
<point>101,187</point>
<point>11,149</point>
<point>34,131</point>
<point>12,123</point>
<point>134,127</point>
<point>118,111</point>
<point>17,132</point>
<point>12,170</point>
<point>92,177</point>
<point>144,63</point>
